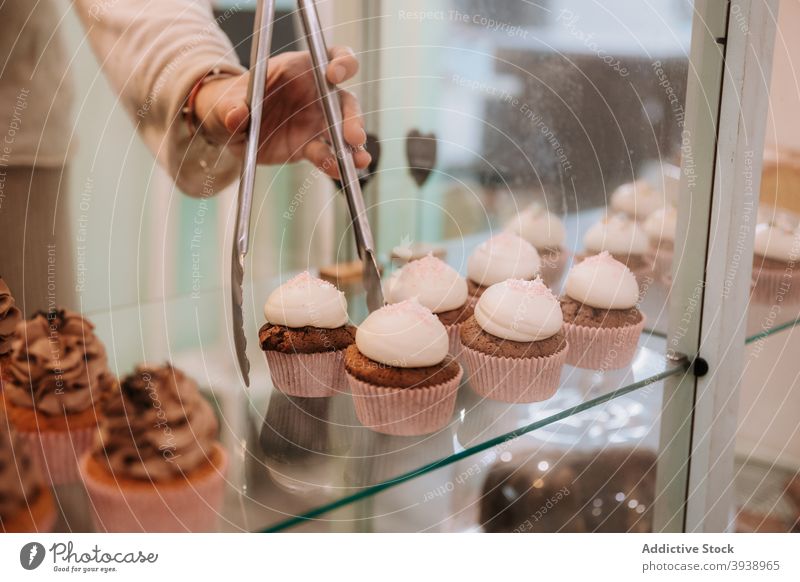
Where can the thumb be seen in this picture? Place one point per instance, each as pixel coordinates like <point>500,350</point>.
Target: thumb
<point>235,118</point>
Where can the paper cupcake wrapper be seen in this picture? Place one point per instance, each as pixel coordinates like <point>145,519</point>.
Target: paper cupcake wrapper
<point>514,379</point>
<point>551,270</point>
<point>308,375</point>
<point>454,337</point>
<point>404,411</point>
<point>772,285</point>
<point>602,348</point>
<point>58,452</point>
<point>193,506</point>
<point>40,517</point>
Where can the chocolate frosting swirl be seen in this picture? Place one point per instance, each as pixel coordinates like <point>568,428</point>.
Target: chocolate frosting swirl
<point>156,426</point>
<point>10,316</point>
<point>20,480</point>
<point>57,364</point>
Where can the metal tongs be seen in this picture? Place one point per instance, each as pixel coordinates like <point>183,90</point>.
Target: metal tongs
<point>259,56</point>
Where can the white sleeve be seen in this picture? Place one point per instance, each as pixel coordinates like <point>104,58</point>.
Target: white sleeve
<point>153,52</point>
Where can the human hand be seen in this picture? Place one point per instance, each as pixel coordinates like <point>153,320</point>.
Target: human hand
<point>293,125</point>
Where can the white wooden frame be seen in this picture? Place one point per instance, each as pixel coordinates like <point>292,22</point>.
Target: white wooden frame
<point>727,100</point>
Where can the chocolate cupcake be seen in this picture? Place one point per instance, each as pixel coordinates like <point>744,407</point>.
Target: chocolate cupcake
<point>624,239</point>
<point>546,233</point>
<point>513,347</point>
<point>305,337</point>
<point>437,286</point>
<point>156,465</point>
<point>10,316</point>
<point>660,228</point>
<point>505,256</point>
<point>637,200</point>
<point>57,372</point>
<point>776,251</point>
<point>402,379</point>
<point>26,504</point>
<point>601,321</point>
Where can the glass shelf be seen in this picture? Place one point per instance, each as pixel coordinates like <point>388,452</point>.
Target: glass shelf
<point>351,463</point>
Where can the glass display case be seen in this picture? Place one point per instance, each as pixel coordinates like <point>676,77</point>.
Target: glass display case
<point>559,105</point>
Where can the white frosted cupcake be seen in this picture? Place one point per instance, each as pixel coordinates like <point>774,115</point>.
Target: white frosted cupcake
<point>505,256</point>
<point>660,228</point>
<point>513,347</point>
<point>638,199</point>
<point>305,337</point>
<point>623,238</point>
<point>437,286</point>
<point>776,251</point>
<point>546,233</point>
<point>601,320</point>
<point>402,378</point>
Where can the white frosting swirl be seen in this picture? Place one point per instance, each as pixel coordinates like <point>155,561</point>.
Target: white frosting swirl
<point>539,227</point>
<point>403,335</point>
<point>306,301</point>
<point>661,225</point>
<point>602,282</point>
<point>637,199</point>
<point>617,234</point>
<point>434,283</point>
<point>520,311</point>
<point>777,242</point>
<point>505,256</point>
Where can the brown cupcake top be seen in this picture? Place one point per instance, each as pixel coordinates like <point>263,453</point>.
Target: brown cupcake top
<point>156,426</point>
<point>58,365</point>
<point>20,480</point>
<point>10,316</point>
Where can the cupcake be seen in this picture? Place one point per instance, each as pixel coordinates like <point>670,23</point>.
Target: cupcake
<point>57,371</point>
<point>546,233</point>
<point>637,200</point>
<point>26,504</point>
<point>776,251</point>
<point>505,256</point>
<point>305,337</point>
<point>623,238</point>
<point>513,347</point>
<point>402,378</point>
<point>437,286</point>
<point>601,321</point>
<point>660,230</point>
<point>156,465</point>
<point>10,316</point>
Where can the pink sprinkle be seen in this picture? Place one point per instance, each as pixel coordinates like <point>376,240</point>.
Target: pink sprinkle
<point>411,308</point>
<point>427,265</point>
<point>535,288</point>
<point>603,257</point>
<point>305,279</point>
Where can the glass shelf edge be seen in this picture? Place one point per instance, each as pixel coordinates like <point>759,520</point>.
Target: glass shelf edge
<point>372,490</point>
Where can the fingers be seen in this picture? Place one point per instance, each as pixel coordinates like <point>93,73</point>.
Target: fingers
<point>343,64</point>
<point>319,153</point>
<point>353,127</point>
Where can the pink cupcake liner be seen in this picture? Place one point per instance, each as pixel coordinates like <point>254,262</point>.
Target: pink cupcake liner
<point>551,270</point>
<point>775,285</point>
<point>404,411</point>
<point>514,379</point>
<point>454,337</point>
<point>58,452</point>
<point>308,375</point>
<point>602,348</point>
<point>193,506</point>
